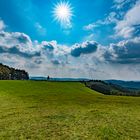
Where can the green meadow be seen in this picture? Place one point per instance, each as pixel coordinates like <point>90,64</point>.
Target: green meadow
<point>40,110</point>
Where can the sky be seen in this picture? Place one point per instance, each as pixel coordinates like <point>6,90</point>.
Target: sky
<point>98,39</point>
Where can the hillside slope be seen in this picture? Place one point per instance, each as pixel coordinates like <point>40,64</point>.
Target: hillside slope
<point>111,89</point>
<point>65,110</point>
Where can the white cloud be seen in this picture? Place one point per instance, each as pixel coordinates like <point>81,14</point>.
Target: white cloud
<point>2,25</point>
<point>87,59</point>
<point>89,37</point>
<point>110,19</point>
<point>90,27</point>
<point>121,4</point>
<point>41,30</point>
<point>124,52</point>
<point>84,48</point>
<point>126,27</point>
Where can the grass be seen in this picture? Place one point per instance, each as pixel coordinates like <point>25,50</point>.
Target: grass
<point>65,110</point>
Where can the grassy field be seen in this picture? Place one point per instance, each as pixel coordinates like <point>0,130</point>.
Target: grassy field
<point>65,111</point>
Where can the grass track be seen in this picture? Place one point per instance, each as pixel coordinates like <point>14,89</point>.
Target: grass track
<point>65,110</point>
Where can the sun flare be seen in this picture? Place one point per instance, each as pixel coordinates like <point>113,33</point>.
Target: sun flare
<point>63,12</point>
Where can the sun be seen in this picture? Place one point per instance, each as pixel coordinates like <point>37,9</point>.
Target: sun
<point>63,12</point>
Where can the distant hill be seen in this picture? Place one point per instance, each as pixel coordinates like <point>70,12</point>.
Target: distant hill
<point>126,84</point>
<point>39,78</point>
<point>9,73</point>
<point>111,89</point>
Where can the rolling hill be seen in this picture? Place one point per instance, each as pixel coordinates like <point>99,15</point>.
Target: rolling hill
<point>109,88</point>
<point>65,110</point>
<point>126,84</point>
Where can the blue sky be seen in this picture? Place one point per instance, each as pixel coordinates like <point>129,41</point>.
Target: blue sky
<point>102,40</point>
<point>24,16</point>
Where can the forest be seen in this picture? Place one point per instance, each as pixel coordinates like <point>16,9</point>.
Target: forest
<point>9,73</point>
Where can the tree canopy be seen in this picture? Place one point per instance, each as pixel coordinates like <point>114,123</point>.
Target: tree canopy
<point>9,73</point>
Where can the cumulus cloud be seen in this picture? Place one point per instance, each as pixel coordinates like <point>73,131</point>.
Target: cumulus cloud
<point>84,48</point>
<point>88,59</point>
<point>124,52</point>
<point>45,52</point>
<point>17,43</point>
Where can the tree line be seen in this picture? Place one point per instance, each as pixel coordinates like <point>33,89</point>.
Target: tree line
<point>111,89</point>
<point>9,73</point>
